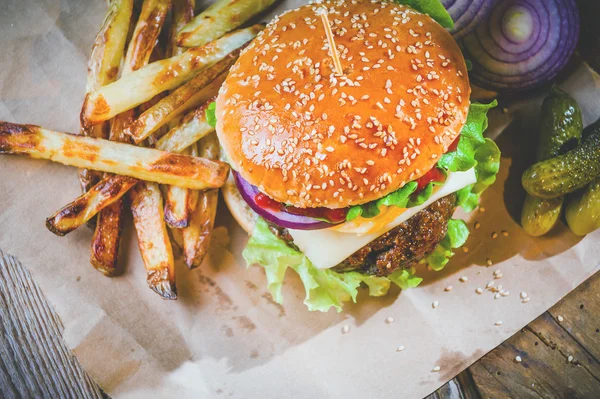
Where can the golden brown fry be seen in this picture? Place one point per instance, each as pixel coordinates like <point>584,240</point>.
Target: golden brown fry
<point>196,237</point>
<point>192,94</point>
<point>106,192</point>
<point>218,19</point>
<point>180,202</point>
<point>111,188</point>
<point>143,84</point>
<point>153,239</point>
<point>189,130</point>
<point>107,156</point>
<point>109,45</point>
<point>106,239</point>
<point>147,29</point>
<point>182,13</point>
<point>103,67</point>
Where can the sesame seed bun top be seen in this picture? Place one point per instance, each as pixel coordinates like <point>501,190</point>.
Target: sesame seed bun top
<point>310,138</point>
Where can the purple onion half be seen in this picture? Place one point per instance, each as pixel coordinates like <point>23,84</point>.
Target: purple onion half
<point>522,43</point>
<point>280,218</point>
<point>466,14</point>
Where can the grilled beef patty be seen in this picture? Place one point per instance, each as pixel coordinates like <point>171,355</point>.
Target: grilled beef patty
<point>400,248</point>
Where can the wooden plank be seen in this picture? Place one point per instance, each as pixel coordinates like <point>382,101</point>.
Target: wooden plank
<point>581,315</point>
<point>34,361</point>
<point>545,347</point>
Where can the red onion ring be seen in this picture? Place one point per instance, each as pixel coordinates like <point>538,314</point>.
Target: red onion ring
<point>466,14</point>
<point>280,218</point>
<point>522,43</point>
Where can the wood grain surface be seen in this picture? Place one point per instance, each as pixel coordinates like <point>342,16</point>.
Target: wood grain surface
<point>34,361</point>
<point>559,351</point>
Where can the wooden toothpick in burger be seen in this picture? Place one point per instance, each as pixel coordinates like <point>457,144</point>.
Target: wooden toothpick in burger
<point>332,47</point>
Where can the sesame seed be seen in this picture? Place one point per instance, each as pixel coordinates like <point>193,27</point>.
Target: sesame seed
<point>400,348</point>
<point>479,291</point>
<point>518,359</point>
<point>560,318</point>
<point>494,235</point>
<point>490,284</point>
<point>463,279</point>
<point>523,295</point>
<point>482,209</point>
<point>505,233</point>
<point>526,299</point>
<point>435,304</point>
<point>436,369</point>
<point>570,359</point>
<point>477,225</point>
<point>489,262</point>
<point>498,323</point>
<point>448,288</point>
<point>496,295</point>
<point>345,329</point>
<point>389,319</point>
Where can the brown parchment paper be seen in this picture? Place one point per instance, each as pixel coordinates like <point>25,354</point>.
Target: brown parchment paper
<point>225,336</point>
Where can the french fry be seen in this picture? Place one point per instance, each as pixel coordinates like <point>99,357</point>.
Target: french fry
<point>113,187</point>
<point>182,13</point>
<point>143,84</point>
<point>189,130</point>
<point>103,67</point>
<point>106,192</point>
<point>107,234</point>
<point>149,24</point>
<point>180,202</point>
<point>218,19</point>
<point>106,239</point>
<point>193,93</point>
<point>107,156</point>
<point>153,239</point>
<point>196,237</point>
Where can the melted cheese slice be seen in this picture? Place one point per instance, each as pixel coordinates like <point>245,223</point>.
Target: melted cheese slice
<point>328,247</point>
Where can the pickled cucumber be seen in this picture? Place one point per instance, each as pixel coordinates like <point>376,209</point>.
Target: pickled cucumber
<point>583,209</point>
<point>561,125</point>
<point>560,130</point>
<point>565,173</point>
<point>540,214</point>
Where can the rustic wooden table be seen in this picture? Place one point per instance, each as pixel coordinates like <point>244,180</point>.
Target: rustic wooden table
<point>559,351</point>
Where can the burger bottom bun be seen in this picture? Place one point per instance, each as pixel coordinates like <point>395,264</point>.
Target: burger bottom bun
<point>240,210</point>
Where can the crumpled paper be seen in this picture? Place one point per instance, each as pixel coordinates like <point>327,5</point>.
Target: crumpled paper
<point>225,336</point>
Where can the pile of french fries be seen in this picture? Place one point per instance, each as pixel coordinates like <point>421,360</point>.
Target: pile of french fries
<point>145,142</point>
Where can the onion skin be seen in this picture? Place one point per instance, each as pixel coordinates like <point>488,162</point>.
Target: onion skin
<point>280,218</point>
<point>466,14</point>
<point>509,54</point>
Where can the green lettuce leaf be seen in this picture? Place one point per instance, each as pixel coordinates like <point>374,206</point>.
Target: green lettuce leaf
<point>473,150</point>
<point>457,235</point>
<point>433,8</point>
<point>399,198</point>
<point>467,199</point>
<point>405,279</point>
<point>324,288</point>
<point>488,165</point>
<point>211,117</point>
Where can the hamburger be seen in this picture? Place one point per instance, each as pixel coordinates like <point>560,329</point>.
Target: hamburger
<point>352,139</point>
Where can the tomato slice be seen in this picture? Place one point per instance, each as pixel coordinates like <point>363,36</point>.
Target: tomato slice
<point>434,175</point>
<point>326,214</point>
<point>454,144</point>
